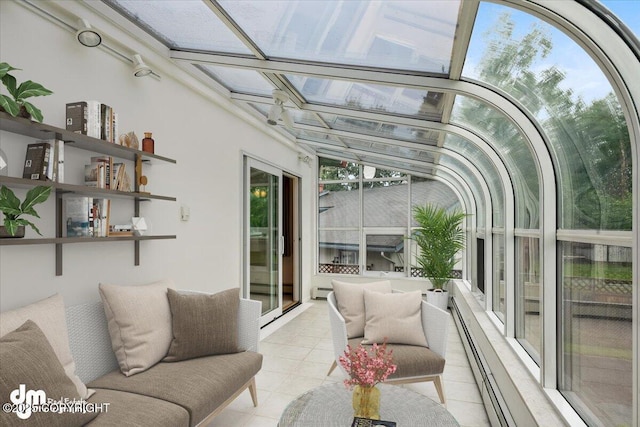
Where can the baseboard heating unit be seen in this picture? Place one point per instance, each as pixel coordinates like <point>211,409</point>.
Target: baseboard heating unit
<point>494,403</point>
<point>320,293</point>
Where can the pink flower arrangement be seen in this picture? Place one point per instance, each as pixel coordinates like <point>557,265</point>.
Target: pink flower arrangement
<point>367,368</point>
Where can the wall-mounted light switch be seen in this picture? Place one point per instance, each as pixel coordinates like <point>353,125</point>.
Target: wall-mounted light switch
<point>185,212</point>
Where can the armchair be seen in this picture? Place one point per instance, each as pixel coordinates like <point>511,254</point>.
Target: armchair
<point>414,363</point>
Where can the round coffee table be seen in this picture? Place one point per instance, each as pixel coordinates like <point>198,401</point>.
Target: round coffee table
<point>330,405</point>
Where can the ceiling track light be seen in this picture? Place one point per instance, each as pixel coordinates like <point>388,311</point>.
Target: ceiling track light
<point>277,110</point>
<point>86,35</point>
<point>140,69</point>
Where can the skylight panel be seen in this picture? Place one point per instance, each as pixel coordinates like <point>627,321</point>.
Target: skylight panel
<point>385,130</point>
<point>400,34</point>
<point>239,80</point>
<point>370,97</point>
<point>181,24</point>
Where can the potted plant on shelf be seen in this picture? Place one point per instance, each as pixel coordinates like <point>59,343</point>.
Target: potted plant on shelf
<point>16,104</point>
<point>10,206</point>
<point>440,237</point>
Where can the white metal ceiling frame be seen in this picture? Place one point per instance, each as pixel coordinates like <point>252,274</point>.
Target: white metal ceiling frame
<point>547,223</point>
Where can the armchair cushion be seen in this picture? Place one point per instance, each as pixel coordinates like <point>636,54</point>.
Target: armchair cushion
<point>350,299</point>
<point>203,324</point>
<point>394,318</point>
<point>411,360</point>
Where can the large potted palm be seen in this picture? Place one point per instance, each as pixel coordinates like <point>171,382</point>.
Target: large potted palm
<point>440,238</point>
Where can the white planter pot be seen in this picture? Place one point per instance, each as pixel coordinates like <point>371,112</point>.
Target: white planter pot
<point>438,297</point>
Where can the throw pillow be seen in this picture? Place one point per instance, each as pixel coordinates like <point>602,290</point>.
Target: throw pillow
<point>139,321</point>
<point>396,318</point>
<point>29,364</point>
<point>203,324</point>
<point>49,315</point>
<point>350,299</point>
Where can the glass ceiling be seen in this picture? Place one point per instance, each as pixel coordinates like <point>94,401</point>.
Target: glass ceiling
<point>369,82</point>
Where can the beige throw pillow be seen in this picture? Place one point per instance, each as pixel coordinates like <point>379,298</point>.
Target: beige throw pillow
<point>139,321</point>
<point>350,299</point>
<point>28,360</point>
<point>396,318</point>
<point>203,324</point>
<point>49,315</point>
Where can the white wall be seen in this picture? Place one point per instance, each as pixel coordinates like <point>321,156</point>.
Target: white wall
<point>206,140</point>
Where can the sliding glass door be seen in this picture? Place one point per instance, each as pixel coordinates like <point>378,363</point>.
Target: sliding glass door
<point>263,238</point>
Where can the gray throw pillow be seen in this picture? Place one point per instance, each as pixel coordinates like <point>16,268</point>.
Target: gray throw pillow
<point>27,360</point>
<point>203,324</point>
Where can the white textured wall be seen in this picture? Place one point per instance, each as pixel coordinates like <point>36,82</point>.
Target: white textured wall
<point>206,140</point>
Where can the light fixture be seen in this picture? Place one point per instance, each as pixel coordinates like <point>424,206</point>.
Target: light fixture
<point>277,111</point>
<point>304,158</point>
<point>140,69</point>
<point>86,35</point>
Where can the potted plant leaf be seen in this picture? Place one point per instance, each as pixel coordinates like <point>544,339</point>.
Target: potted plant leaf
<point>13,210</point>
<point>15,104</point>
<point>440,237</point>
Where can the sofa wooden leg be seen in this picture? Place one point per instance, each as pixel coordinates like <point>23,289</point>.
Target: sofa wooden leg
<point>334,365</point>
<point>253,391</point>
<point>439,388</point>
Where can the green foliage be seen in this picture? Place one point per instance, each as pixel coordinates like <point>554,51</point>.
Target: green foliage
<point>12,104</point>
<point>440,237</point>
<point>12,209</point>
<point>589,141</point>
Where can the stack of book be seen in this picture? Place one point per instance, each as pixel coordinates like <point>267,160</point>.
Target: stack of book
<point>102,172</point>
<point>86,216</point>
<point>94,119</point>
<point>44,161</point>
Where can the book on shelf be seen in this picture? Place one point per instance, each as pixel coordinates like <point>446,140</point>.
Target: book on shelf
<point>94,175</point>
<point>120,230</point>
<point>76,214</point>
<point>86,216</point>
<point>92,118</point>
<point>100,168</point>
<point>36,162</point>
<point>368,422</point>
<point>77,117</point>
<point>60,159</point>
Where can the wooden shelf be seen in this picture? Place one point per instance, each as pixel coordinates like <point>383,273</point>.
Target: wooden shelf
<point>68,240</point>
<point>37,130</point>
<point>81,189</point>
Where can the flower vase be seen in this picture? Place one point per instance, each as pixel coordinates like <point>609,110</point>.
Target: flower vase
<point>366,402</point>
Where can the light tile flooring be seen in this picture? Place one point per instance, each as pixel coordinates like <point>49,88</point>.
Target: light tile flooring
<point>298,354</point>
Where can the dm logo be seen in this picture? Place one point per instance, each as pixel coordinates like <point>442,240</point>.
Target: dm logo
<point>26,399</point>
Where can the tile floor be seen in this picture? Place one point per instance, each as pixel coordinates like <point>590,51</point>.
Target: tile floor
<point>297,355</point>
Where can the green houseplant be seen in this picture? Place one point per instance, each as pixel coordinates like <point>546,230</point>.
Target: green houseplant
<point>16,104</point>
<point>13,210</point>
<point>440,237</point>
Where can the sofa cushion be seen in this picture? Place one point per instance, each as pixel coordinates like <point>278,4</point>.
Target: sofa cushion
<point>49,315</point>
<point>139,321</point>
<point>134,410</point>
<point>350,299</point>
<point>203,324</point>
<point>199,385</point>
<point>411,360</point>
<point>29,363</point>
<point>394,318</point>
